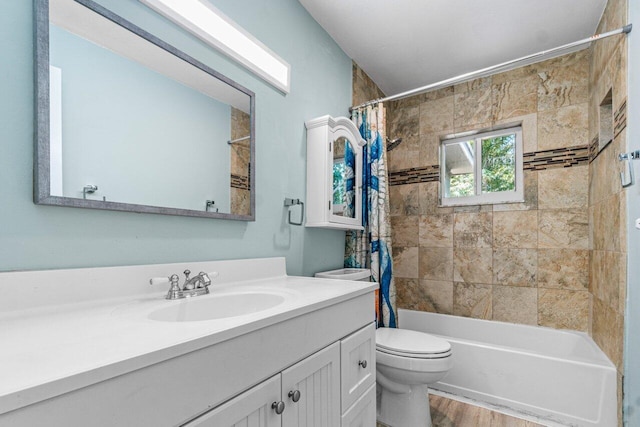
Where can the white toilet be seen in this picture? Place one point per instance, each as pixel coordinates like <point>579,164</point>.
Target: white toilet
<point>406,362</point>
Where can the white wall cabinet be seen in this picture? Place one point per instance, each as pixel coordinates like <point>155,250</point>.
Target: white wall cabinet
<point>309,392</point>
<point>334,173</point>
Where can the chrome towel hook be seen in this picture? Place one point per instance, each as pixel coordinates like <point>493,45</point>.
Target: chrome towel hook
<point>292,202</point>
<point>634,155</point>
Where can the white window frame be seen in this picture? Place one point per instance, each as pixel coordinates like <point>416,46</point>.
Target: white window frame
<point>487,198</point>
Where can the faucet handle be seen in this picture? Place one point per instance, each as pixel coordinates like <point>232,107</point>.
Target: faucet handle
<point>187,273</point>
<point>158,280</point>
<point>173,279</point>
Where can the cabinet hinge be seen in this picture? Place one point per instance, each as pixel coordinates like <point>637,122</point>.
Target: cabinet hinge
<point>330,146</point>
<point>329,204</point>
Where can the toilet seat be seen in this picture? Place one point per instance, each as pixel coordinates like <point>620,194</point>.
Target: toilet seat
<point>411,344</point>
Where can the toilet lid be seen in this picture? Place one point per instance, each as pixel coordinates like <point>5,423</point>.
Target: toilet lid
<point>411,343</point>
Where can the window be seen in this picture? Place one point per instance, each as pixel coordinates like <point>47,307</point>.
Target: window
<point>482,168</point>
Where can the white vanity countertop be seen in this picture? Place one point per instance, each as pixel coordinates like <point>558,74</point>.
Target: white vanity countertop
<point>53,349</point>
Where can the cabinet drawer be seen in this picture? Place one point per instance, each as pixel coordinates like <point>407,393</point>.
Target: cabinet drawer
<point>363,412</point>
<point>357,364</point>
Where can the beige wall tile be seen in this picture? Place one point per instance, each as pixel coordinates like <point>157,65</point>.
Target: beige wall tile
<point>436,116</point>
<point>430,148</point>
<point>363,88</point>
<point>530,195</point>
<point>562,188</point>
<point>517,229</point>
<point>528,71</point>
<point>405,262</point>
<point>566,228</point>
<point>563,309</point>
<point>472,300</point>
<point>240,201</point>
<point>425,295</point>
<point>404,230</point>
<point>481,83</point>
<point>566,83</point>
<point>473,265</point>
<point>436,264</point>
<point>563,268</point>
<point>429,199</point>
<point>472,108</point>
<point>515,98</point>
<point>515,267</point>
<point>436,231</point>
<point>608,331</point>
<point>563,127</point>
<point>473,230</point>
<point>402,157</point>
<point>403,122</point>
<point>529,123</point>
<point>516,305</point>
<point>404,200</point>
<point>605,276</point>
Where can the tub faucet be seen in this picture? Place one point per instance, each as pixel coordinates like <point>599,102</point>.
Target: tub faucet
<point>194,286</point>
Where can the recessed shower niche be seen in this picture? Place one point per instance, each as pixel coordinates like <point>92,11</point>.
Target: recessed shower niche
<point>605,114</point>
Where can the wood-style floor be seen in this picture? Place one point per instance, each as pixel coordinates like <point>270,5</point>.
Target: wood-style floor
<point>451,413</point>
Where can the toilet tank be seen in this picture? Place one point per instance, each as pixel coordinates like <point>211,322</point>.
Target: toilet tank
<point>358,274</point>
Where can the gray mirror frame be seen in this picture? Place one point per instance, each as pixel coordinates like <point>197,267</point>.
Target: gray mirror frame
<point>41,165</point>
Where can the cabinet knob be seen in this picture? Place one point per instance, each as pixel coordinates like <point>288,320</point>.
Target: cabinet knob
<point>294,395</point>
<point>278,407</point>
<point>363,363</point>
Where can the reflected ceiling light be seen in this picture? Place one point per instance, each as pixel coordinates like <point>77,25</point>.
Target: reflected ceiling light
<point>206,22</point>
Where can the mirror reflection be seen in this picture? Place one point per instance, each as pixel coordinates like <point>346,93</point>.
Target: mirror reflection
<point>344,165</point>
<point>136,125</point>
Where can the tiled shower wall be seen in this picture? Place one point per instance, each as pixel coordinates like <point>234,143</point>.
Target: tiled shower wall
<point>558,259</point>
<point>524,262</point>
<point>607,199</point>
<point>240,153</point>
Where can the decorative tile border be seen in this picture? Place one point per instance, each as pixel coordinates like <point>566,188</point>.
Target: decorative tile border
<point>557,158</point>
<point>620,119</point>
<point>535,161</point>
<point>415,175</point>
<point>594,148</point>
<point>238,181</point>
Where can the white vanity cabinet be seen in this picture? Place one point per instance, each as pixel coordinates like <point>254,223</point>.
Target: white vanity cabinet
<point>333,387</point>
<point>308,394</point>
<point>112,363</point>
<point>334,173</point>
<point>234,381</point>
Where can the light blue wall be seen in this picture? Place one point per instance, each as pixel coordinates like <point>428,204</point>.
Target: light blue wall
<point>632,316</point>
<point>35,237</point>
<point>145,123</point>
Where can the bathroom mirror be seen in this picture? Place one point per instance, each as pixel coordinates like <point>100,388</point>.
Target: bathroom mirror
<point>343,178</point>
<point>127,122</point>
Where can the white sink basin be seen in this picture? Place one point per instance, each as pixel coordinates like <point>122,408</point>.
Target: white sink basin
<point>216,307</point>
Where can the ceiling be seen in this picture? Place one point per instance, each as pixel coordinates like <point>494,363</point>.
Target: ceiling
<point>405,44</point>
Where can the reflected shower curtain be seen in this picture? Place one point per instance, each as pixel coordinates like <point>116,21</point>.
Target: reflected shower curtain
<point>371,248</point>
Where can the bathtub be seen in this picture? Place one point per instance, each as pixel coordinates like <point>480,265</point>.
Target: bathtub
<point>555,377</point>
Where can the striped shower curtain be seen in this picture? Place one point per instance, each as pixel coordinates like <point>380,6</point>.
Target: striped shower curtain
<point>371,248</point>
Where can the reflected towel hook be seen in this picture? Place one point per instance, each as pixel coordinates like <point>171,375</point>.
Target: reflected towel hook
<point>292,202</point>
<point>634,155</point>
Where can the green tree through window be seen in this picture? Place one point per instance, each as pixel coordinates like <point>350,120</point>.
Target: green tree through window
<point>499,164</point>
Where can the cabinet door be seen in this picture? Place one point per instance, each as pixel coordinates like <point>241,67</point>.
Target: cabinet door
<point>250,409</point>
<point>358,364</point>
<point>363,412</point>
<point>317,379</point>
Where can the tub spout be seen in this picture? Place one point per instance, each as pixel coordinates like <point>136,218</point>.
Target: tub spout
<point>391,385</point>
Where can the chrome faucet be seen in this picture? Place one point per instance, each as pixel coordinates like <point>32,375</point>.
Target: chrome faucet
<point>194,286</point>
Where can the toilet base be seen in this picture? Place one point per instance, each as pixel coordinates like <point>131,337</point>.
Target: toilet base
<point>404,409</point>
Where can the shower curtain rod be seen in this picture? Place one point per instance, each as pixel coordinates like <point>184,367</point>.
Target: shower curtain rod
<point>485,71</point>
